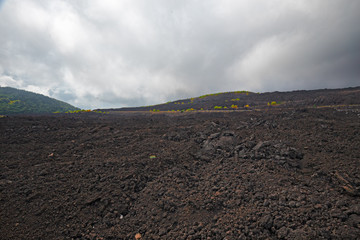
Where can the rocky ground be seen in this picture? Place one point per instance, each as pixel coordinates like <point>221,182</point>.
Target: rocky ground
<point>278,174</point>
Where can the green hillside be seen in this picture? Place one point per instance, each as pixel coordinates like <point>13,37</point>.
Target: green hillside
<point>15,101</point>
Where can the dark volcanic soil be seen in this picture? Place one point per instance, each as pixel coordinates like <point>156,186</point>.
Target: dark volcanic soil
<point>279,174</point>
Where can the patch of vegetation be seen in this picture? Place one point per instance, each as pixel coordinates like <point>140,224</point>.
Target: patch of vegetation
<point>274,103</point>
<point>86,111</point>
<point>216,94</point>
<point>208,95</point>
<point>76,111</point>
<point>103,112</point>
<point>246,92</point>
<point>15,101</point>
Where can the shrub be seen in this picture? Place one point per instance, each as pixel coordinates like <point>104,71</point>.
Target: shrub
<point>242,92</point>
<point>81,111</point>
<point>13,101</point>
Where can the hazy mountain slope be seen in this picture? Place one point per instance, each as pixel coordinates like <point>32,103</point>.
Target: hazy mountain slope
<point>15,101</point>
<point>246,100</point>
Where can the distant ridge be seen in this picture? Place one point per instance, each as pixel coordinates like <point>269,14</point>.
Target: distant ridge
<point>16,101</point>
<point>242,100</point>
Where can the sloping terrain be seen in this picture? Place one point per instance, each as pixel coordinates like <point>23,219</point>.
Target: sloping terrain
<point>15,101</point>
<point>274,174</point>
<point>250,100</point>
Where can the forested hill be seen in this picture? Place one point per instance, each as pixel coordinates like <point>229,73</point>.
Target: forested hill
<point>15,101</point>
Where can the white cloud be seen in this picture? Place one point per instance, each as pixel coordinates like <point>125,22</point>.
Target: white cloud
<point>267,64</point>
<point>31,15</point>
<point>108,53</point>
<point>7,81</point>
<point>37,89</point>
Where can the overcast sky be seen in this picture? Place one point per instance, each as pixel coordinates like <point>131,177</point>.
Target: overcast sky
<point>115,53</point>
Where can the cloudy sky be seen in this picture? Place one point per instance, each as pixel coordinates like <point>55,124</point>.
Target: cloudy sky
<point>115,53</point>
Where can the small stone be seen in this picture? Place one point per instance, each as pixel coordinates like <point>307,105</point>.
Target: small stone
<point>266,203</point>
<point>297,234</point>
<point>274,197</point>
<point>258,146</point>
<point>266,222</point>
<point>354,220</point>
<point>137,236</point>
<point>214,124</point>
<point>292,204</point>
<point>354,209</point>
<point>341,203</point>
<point>278,222</point>
<point>162,231</point>
<point>337,213</point>
<point>282,232</point>
<point>318,206</point>
<point>214,135</point>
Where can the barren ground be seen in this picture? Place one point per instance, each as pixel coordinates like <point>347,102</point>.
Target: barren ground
<point>278,174</point>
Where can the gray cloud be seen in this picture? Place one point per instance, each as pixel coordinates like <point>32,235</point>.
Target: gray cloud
<point>108,53</point>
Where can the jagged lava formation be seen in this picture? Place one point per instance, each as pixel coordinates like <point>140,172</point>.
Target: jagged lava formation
<point>279,173</point>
